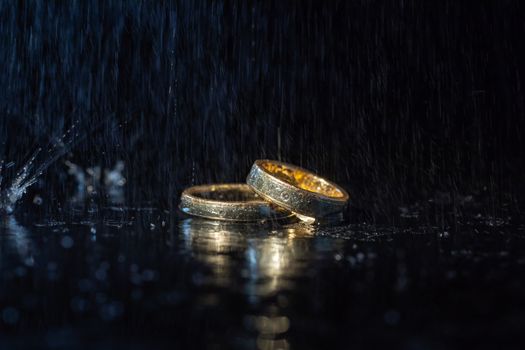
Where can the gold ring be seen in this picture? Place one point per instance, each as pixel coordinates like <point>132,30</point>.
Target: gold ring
<point>229,202</point>
<point>296,189</point>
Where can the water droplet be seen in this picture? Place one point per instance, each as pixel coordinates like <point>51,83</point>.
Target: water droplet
<point>38,200</point>
<point>67,242</point>
<point>10,315</point>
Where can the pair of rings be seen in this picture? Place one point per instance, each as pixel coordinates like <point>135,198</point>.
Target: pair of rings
<point>273,190</point>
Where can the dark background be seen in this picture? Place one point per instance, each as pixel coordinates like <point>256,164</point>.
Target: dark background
<point>399,101</point>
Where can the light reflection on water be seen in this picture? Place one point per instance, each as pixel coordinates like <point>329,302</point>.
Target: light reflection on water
<point>270,261</point>
<point>18,240</point>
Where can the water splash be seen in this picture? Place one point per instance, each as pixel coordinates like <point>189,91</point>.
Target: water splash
<point>34,168</point>
<point>90,182</point>
<point>115,181</point>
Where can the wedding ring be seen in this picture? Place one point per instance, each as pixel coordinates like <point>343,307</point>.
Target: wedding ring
<point>295,189</point>
<point>229,202</point>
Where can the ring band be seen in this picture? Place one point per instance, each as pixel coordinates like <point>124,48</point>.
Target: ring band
<point>229,202</point>
<point>296,189</point>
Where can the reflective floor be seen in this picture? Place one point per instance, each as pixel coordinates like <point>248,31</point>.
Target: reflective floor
<point>143,277</point>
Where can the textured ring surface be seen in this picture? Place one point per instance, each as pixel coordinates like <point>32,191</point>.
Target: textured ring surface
<point>296,189</point>
<point>230,202</point>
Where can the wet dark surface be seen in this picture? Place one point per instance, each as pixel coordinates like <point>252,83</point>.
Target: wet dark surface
<point>158,279</point>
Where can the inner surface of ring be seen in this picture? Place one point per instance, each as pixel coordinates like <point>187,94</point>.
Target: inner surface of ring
<point>302,179</point>
<point>227,194</point>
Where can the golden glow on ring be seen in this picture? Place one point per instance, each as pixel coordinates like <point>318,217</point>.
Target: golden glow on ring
<point>297,190</point>
<point>230,202</point>
<point>301,178</point>
<point>234,193</point>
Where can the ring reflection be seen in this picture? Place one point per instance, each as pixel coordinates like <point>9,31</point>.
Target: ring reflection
<point>270,261</point>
